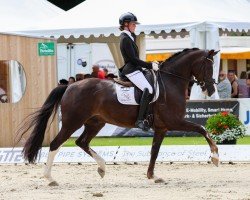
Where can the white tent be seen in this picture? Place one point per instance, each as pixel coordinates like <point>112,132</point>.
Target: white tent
<point>97,21</point>
<point>25,14</point>
<point>100,17</point>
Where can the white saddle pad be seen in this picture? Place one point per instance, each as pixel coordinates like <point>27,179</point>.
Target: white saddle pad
<point>126,95</point>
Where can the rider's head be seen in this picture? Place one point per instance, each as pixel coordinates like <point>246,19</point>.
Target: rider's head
<point>128,22</point>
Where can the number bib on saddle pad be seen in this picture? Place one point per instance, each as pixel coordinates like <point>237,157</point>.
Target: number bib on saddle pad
<point>132,95</point>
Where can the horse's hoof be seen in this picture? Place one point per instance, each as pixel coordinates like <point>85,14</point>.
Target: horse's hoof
<point>101,172</point>
<point>215,159</point>
<point>53,183</point>
<point>159,180</point>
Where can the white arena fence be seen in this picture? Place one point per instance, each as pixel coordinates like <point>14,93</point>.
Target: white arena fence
<point>113,154</point>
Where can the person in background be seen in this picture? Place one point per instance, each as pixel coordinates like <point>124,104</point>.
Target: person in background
<point>97,72</point>
<point>63,82</point>
<point>87,76</point>
<point>72,80</point>
<point>111,76</point>
<point>248,79</point>
<point>248,85</point>
<point>235,86</point>
<point>224,87</point>
<point>79,77</point>
<point>105,70</point>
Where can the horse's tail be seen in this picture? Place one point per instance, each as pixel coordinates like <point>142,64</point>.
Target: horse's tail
<point>39,120</point>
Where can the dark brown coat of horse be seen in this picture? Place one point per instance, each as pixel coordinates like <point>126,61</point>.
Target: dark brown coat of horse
<point>93,102</point>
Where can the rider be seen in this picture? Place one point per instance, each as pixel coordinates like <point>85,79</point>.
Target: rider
<point>133,65</point>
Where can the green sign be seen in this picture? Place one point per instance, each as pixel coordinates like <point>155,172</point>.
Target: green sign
<point>46,49</point>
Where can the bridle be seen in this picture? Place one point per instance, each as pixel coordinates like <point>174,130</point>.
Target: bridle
<point>201,83</point>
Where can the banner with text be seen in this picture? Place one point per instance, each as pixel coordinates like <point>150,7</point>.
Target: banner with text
<point>112,154</point>
<point>199,111</point>
<point>244,114</point>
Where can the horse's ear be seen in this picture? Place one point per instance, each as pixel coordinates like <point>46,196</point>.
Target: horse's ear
<point>212,53</point>
<point>216,52</point>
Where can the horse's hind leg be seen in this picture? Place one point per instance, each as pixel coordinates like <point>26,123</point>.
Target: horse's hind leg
<point>47,168</point>
<point>92,127</point>
<point>55,145</point>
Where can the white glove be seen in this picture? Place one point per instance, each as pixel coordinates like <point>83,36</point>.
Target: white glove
<point>155,66</point>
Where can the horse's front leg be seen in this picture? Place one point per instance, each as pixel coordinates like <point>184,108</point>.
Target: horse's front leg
<point>157,140</point>
<point>189,126</point>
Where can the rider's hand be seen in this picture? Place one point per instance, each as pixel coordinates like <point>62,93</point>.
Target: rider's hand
<point>155,66</point>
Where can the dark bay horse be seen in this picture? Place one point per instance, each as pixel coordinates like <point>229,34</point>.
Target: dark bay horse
<point>93,102</point>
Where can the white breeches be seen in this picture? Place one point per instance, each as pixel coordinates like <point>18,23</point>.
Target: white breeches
<point>139,80</point>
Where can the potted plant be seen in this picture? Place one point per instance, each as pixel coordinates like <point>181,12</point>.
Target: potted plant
<point>225,128</point>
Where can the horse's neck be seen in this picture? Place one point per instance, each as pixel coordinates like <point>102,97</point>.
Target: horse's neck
<point>181,67</point>
<point>177,74</point>
<point>184,65</point>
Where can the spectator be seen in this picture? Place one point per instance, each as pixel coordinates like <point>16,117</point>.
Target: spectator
<point>243,75</point>
<point>63,82</point>
<point>87,76</point>
<point>111,76</point>
<point>235,86</point>
<point>97,73</point>
<point>72,80</point>
<point>105,70</point>
<point>79,77</point>
<point>248,85</point>
<point>248,79</point>
<point>224,87</point>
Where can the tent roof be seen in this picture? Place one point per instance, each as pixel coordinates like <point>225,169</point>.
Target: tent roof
<point>100,17</point>
<point>226,53</point>
<point>25,14</point>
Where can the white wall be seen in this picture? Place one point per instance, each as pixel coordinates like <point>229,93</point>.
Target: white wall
<point>102,56</point>
<point>68,54</point>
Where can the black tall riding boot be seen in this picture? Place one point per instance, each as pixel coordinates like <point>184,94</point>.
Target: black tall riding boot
<point>140,122</point>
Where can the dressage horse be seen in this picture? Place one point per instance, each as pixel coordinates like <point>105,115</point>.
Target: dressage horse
<point>93,103</point>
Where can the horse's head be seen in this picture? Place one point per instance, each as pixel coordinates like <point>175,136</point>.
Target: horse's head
<point>202,69</point>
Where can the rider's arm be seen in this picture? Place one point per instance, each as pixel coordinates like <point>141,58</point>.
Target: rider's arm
<point>130,52</point>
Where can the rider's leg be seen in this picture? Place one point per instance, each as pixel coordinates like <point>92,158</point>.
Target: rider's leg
<point>140,122</point>
<point>141,82</point>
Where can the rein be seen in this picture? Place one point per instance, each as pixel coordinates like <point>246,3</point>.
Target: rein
<point>176,75</point>
<point>201,83</point>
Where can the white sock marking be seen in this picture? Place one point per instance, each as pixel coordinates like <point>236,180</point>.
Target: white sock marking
<point>47,169</point>
<point>100,161</point>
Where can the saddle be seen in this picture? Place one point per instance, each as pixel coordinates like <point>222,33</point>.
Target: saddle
<point>125,84</point>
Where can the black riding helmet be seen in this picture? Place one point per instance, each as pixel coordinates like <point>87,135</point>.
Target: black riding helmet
<point>127,17</point>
